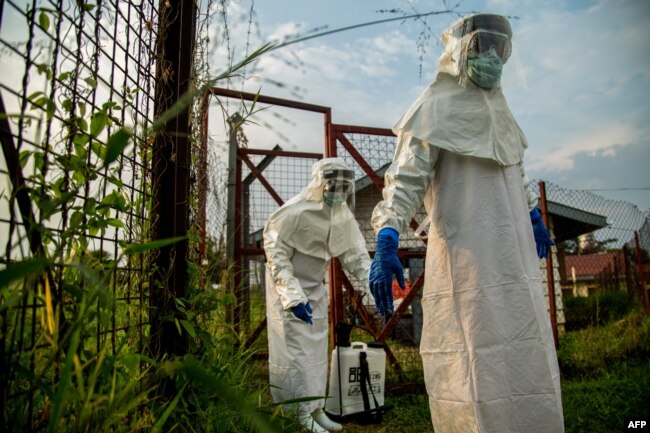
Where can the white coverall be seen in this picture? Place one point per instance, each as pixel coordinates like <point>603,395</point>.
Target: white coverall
<point>299,240</point>
<point>487,349</point>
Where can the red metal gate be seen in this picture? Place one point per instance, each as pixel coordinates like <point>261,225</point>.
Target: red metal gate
<point>368,151</point>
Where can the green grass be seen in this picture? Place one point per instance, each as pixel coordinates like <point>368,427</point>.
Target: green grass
<point>600,405</point>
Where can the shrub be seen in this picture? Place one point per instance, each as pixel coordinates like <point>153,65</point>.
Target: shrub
<point>596,310</point>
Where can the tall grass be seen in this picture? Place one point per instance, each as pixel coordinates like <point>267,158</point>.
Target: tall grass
<point>592,352</point>
<point>606,374</point>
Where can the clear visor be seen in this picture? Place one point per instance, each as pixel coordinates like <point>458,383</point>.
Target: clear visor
<point>339,189</point>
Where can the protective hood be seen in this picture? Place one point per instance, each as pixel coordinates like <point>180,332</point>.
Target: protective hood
<point>310,225</point>
<point>473,34</point>
<point>464,120</point>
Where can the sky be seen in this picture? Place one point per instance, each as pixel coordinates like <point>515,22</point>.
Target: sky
<point>578,84</point>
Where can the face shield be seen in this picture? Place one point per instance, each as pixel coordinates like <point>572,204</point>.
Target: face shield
<point>339,187</point>
<point>476,49</point>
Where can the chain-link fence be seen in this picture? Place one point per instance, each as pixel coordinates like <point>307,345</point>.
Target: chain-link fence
<point>602,247</point>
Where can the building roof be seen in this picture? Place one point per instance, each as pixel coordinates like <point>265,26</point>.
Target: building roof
<point>591,264</point>
<point>570,222</point>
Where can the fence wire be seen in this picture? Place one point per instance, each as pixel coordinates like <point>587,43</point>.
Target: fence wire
<point>602,244</point>
<point>74,77</point>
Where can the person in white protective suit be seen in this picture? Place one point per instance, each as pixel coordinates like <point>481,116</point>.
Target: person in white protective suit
<point>299,240</point>
<point>487,349</point>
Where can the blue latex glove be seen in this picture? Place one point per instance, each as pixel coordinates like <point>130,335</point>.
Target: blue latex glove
<point>384,265</point>
<point>542,239</point>
<point>303,312</point>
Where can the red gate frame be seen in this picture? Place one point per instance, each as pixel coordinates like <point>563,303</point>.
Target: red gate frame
<point>333,134</point>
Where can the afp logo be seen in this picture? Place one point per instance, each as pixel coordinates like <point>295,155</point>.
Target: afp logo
<point>638,424</point>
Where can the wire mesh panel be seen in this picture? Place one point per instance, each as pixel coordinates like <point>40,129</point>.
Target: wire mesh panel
<point>288,176</point>
<point>76,94</point>
<point>602,248</point>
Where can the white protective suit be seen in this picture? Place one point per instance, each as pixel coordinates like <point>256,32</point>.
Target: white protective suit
<point>299,240</point>
<point>490,364</point>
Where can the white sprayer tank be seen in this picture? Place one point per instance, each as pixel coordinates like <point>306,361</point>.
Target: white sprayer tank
<point>345,396</point>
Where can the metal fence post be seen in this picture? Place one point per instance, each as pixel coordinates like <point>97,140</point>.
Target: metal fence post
<point>629,284</point>
<point>643,292</point>
<point>171,173</point>
<point>550,280</point>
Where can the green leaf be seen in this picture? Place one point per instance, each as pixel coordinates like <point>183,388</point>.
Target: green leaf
<point>139,248</point>
<point>44,69</point>
<point>229,299</point>
<point>108,201</point>
<point>89,7</point>
<point>19,270</point>
<point>79,177</point>
<point>260,422</point>
<point>160,423</point>
<point>24,157</point>
<point>39,160</point>
<point>67,105</point>
<point>79,147</point>
<point>82,124</point>
<point>98,122</point>
<point>90,205</point>
<point>116,144</point>
<point>115,222</point>
<point>188,327</point>
<point>80,140</point>
<point>44,21</point>
<point>91,82</point>
<point>76,218</point>
<point>63,393</point>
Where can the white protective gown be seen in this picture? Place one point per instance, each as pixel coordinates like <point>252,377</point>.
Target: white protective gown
<point>299,240</point>
<point>489,360</point>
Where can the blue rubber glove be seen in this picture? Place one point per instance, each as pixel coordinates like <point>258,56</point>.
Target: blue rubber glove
<point>303,312</point>
<point>384,265</point>
<point>542,239</point>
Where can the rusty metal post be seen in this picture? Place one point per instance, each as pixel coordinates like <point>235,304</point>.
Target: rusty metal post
<point>337,312</point>
<point>171,173</point>
<point>202,180</point>
<point>231,212</point>
<point>550,280</point>
<point>238,268</point>
<point>629,284</point>
<point>643,292</point>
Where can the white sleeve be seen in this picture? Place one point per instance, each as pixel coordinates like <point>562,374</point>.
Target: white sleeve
<point>405,183</point>
<point>356,260</point>
<point>278,259</point>
<point>531,197</point>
